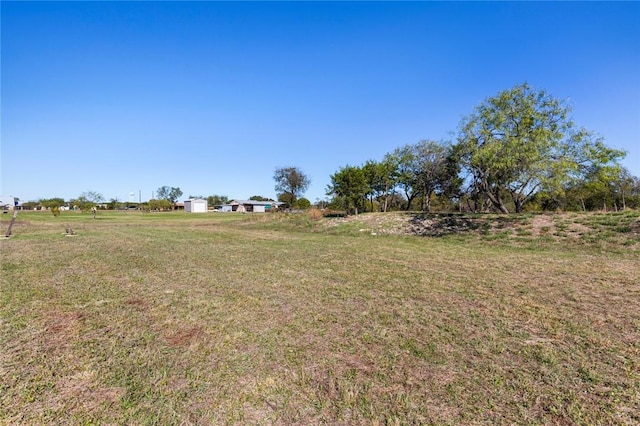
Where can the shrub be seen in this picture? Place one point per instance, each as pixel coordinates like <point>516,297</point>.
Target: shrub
<point>315,214</point>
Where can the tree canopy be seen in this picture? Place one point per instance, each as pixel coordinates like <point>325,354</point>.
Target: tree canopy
<point>169,193</point>
<point>350,185</point>
<point>291,183</point>
<point>523,140</point>
<point>88,199</point>
<point>216,200</point>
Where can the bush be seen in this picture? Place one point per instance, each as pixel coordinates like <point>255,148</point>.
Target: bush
<point>315,214</point>
<point>302,204</point>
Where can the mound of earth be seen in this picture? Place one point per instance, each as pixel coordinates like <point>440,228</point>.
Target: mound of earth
<point>556,226</point>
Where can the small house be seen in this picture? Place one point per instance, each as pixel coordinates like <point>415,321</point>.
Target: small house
<point>253,206</point>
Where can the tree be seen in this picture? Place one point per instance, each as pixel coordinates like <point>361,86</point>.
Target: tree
<point>382,179</point>
<point>88,200</point>
<point>162,204</point>
<point>217,200</point>
<point>425,169</point>
<point>30,205</point>
<point>406,172</point>
<point>349,184</point>
<point>291,183</point>
<point>436,172</point>
<point>259,198</point>
<point>302,203</point>
<point>115,204</point>
<point>521,141</point>
<point>170,194</point>
<point>50,203</point>
<point>387,180</point>
<point>626,183</point>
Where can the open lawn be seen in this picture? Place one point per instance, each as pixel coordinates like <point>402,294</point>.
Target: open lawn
<point>172,318</point>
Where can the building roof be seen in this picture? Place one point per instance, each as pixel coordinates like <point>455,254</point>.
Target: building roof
<point>256,203</point>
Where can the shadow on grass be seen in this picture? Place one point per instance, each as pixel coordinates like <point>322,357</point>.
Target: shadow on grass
<point>438,225</point>
<point>442,224</point>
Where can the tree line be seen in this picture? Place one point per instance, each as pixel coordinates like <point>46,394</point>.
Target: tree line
<point>519,150</point>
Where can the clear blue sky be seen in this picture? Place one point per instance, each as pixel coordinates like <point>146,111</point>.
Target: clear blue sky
<point>211,97</point>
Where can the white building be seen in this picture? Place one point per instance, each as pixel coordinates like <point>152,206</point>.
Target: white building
<point>195,205</point>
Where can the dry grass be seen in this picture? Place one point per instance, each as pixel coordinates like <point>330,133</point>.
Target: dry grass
<point>241,319</point>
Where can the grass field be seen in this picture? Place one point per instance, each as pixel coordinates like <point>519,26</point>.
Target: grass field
<point>177,319</point>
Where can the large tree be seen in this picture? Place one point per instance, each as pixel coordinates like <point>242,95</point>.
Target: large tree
<point>523,140</point>
<point>170,194</point>
<point>350,185</point>
<point>424,169</point>
<point>382,178</point>
<point>435,171</point>
<point>291,183</point>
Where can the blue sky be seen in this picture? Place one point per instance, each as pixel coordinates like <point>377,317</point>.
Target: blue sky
<point>211,97</point>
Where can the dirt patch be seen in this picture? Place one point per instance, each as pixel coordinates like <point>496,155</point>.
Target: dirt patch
<point>61,328</point>
<point>82,391</point>
<point>186,336</point>
<point>542,225</point>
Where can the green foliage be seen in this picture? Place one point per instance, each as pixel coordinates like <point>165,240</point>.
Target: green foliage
<point>30,205</point>
<point>522,141</point>
<point>302,203</point>
<point>291,183</point>
<point>382,178</point>
<point>162,204</point>
<point>170,194</point>
<point>259,198</point>
<point>114,204</point>
<point>217,200</point>
<point>350,185</point>
<point>50,203</point>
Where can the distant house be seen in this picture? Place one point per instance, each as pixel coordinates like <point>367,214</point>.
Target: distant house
<point>251,206</point>
<point>195,205</point>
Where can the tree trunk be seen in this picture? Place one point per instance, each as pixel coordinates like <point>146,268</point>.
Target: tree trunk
<point>519,204</point>
<point>496,200</point>
<point>427,203</point>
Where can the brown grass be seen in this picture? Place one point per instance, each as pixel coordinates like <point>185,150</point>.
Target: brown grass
<point>241,319</point>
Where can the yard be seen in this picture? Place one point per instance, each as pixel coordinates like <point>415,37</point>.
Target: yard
<point>174,318</point>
